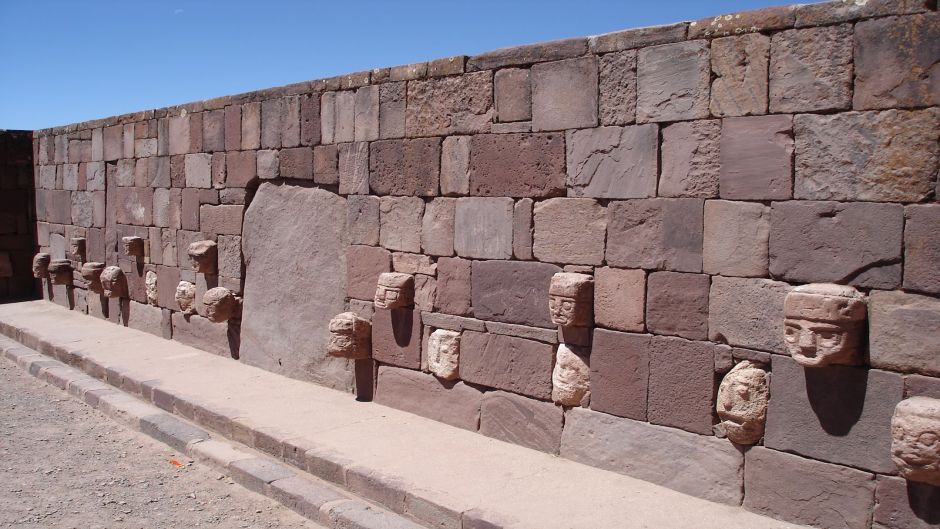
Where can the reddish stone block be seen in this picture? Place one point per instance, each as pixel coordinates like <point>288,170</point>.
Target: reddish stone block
<point>682,384</point>
<point>747,313</point>
<point>740,67</point>
<point>353,168</point>
<point>400,223</point>
<point>133,205</point>
<point>903,332</point>
<point>512,291</point>
<point>309,119</point>
<point>536,161</point>
<point>221,219</point>
<point>241,168</point>
<point>290,125</point>
<point>453,286</point>
<point>506,362</point>
<point>167,208</point>
<point>564,94</point>
<point>230,256</point>
<point>619,298</point>
<point>296,163</point>
<point>168,277</point>
<point>513,95</point>
<point>461,104</point>
<point>672,82</point>
<point>362,219</point>
<point>366,127</point>
<point>453,403</point>
<point>677,304</point>
<point>483,227</point>
<point>113,144</point>
<point>528,54</point>
<point>657,233</point>
<point>617,86</point>
<point>522,229</point>
<point>748,21</point>
<point>832,13</point>
<point>405,167</point>
<point>179,134</point>
<point>195,132</point>
<point>902,504</point>
<point>522,421</point>
<point>921,248</point>
<point>272,115</point>
<point>396,337</point>
<point>189,217</point>
<point>620,368</point>
<point>363,266</point>
<point>811,69</point>
<point>613,162</point>
<point>736,237</point>
<point>232,127</point>
<point>326,164</point>
<point>690,164</point>
<point>757,158</point>
<point>570,230</point>
<point>437,228</point>
<point>251,126</point>
<point>213,130</point>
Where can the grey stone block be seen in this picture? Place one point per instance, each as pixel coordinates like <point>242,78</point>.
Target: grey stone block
<point>255,473</point>
<point>171,431</point>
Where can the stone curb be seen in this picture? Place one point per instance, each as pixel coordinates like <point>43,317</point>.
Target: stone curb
<point>316,501</point>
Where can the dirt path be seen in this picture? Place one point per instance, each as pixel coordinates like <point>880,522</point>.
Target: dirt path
<point>66,465</point>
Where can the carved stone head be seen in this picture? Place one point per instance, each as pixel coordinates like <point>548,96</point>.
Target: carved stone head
<point>41,265</point>
<point>113,282</point>
<point>350,337</point>
<point>915,439</point>
<point>824,323</point>
<point>77,249</point>
<point>742,403</point>
<point>186,297</point>
<point>394,291</point>
<point>571,378</point>
<point>203,256</point>
<point>571,299</point>
<point>150,282</point>
<point>444,353</point>
<point>221,304</point>
<point>133,246</point>
<point>60,271</point>
<point>91,272</point>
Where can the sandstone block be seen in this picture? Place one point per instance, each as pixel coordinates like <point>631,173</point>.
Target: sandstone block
<point>827,13</point>
<point>522,421</point>
<point>396,337</point>
<point>326,165</point>
<point>569,230</point>
<point>366,127</point>
<point>213,130</point>
<point>512,291</point>
<point>682,384</point>
<point>620,370</point>
<point>536,161</point>
<point>134,206</point>
<point>344,117</point>
<point>690,159</point>
<point>179,135</point>
<point>613,162</point>
<point>617,83</point>
<point>251,126</point>
<point>672,82</point>
<point>461,104</point>
<point>221,220</point>
<point>921,248</point>
<point>309,119</point>
<point>747,313</point>
<point>392,110</point>
<point>519,55</point>
<point>507,362</point>
<point>232,127</point>
<point>400,219</point>
<point>736,238</point>
<point>113,144</point>
<point>198,169</point>
<point>657,233</point>
<point>453,286</point>
<point>678,304</point>
<point>455,166</point>
<point>272,115</point>
<point>196,331</point>
<point>405,167</point>
<point>757,158</point>
<point>437,228</point>
<point>902,504</point>
<point>353,168</point>
<point>638,38</point>
<point>902,332</point>
<point>522,229</point>
<point>362,219</point>
<point>166,208</point>
<point>146,318</point>
<point>483,227</point>
<point>453,403</point>
<point>740,67</point>
<point>296,163</point>
<point>564,94</point>
<point>513,95</point>
<point>364,264</point>
<point>811,69</point>
<point>763,19</point>
<point>854,243</point>
<point>619,298</point>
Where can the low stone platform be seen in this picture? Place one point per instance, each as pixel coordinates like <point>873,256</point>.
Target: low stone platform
<point>436,474</point>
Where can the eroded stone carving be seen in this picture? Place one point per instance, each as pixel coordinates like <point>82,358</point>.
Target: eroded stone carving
<point>186,297</point>
<point>444,353</point>
<point>915,439</point>
<point>77,249</point>
<point>395,290</point>
<point>350,337</point>
<point>203,255</point>
<point>221,304</point>
<point>150,282</point>
<point>823,324</point>
<point>113,282</point>
<point>571,378</point>
<point>133,246</point>
<point>91,272</point>
<point>41,265</point>
<point>571,299</point>
<point>742,403</point>
<point>60,271</point>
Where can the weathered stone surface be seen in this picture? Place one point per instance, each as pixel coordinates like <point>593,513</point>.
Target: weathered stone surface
<point>902,504</point>
<point>364,264</point>
<point>835,12</point>
<point>133,205</point>
<point>522,232</point>
<point>483,227</point>
<point>396,337</point>
<point>362,219</point>
<point>736,237</point>
<point>854,243</point>
<point>742,403</point>
<point>706,467</point>
<point>272,116</point>
<point>824,324</point>
<point>352,168</point>
<point>268,164</point>
<point>638,38</point>
<point>569,230</point>
<point>296,163</point>
<point>401,219</point>
<point>456,404</point>
<point>535,161</point>
<point>292,340</point>
<point>811,69</point>
<point>763,19</point>
<point>658,233</point>
<point>619,298</point>
<point>220,304</point>
<point>512,291</point>
<point>461,104</point>
<point>740,67</point>
<point>681,384</point>
<point>613,162</point>
<point>620,368</point>
<point>571,376</point>
<point>757,158</point>
<point>522,331</point>
<point>405,167</point>
<point>921,248</point>
<point>443,354</point>
<point>678,304</point>
<point>507,362</point>
<point>690,159</point>
<point>455,166</point>
<point>617,84</point>
<point>914,428</point>
<point>198,169</point>
<point>392,110</point>
<point>789,487</point>
<point>875,156</point>
<point>201,333</point>
<point>251,126</point>
<point>366,127</point>
<point>513,95</point>
<point>747,313</point>
<point>225,220</point>
<point>453,286</point>
<point>437,227</point>
<point>903,330</point>
<point>672,82</point>
<point>113,143</point>
<point>522,421</point>
<point>519,55</point>
<point>414,263</point>
<point>921,386</point>
<point>840,414</point>
<point>564,94</point>
<point>241,168</point>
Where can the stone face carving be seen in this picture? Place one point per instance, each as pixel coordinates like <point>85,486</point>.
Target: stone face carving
<point>742,403</point>
<point>221,304</point>
<point>350,337</point>
<point>77,249</point>
<point>91,272</point>
<point>571,378</point>
<point>823,324</point>
<point>113,282</point>
<point>133,246</point>
<point>41,265</point>
<point>203,255</point>
<point>444,353</point>
<point>571,299</point>
<point>60,271</point>
<point>915,443</point>
<point>150,282</point>
<point>395,290</point>
<point>186,297</point>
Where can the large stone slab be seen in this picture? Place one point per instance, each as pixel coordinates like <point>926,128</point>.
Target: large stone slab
<point>690,159</point>
<point>512,291</point>
<point>811,69</point>
<point>295,269</point>
<point>903,331</point>
<point>453,403</point>
<point>756,158</point>
<point>747,312</point>
<point>740,67</point>
<point>656,233</point>
<point>522,421</point>
<point>613,162</point>
<point>461,104</point>
<point>570,230</point>
<point>564,94</point>
<point>672,82</point>
<point>483,227</point>
<point>507,362</point>
<point>620,371</point>
<point>517,165</point>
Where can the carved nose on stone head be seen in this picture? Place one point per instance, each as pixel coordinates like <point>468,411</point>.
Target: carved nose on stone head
<point>807,340</point>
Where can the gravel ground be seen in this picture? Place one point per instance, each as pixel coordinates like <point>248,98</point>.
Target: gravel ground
<point>66,465</point>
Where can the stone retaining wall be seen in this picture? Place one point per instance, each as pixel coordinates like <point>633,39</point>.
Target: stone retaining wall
<point>17,217</point>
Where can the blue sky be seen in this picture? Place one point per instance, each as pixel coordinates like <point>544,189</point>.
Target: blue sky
<point>72,60</point>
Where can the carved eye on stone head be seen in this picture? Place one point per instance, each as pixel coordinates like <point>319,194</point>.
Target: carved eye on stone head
<point>928,439</point>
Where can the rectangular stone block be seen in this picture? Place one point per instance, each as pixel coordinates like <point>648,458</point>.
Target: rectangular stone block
<point>921,248</point>
<point>705,467</point>
<point>682,386</point>
<point>513,95</point>
<point>133,205</point>
<point>213,130</point>
<point>690,159</point>
<point>455,166</point>
<point>396,337</point>
<point>290,125</point>
<point>195,132</point>
<point>461,104</point>
<point>506,362</point>
<point>179,135</point>
<point>677,304</point>
<point>272,114</point>
<point>149,319</point>
<point>362,219</point>
<point>198,169</point>
<point>112,146</point>
<point>453,286</point>
<point>522,229</point>
<point>757,158</point>
<point>241,168</point>
<point>405,167</point>
<point>309,119</point>
<point>232,127</point>
<point>392,110</point>
<point>564,94</point>
<point>747,313</point>
<point>366,127</point>
<point>559,238</point>
<point>353,168</point>
<point>673,82</point>
<point>902,504</point>
<point>296,163</point>
<point>536,161</point>
<point>251,126</point>
<point>201,333</point>
<point>620,369</point>
<point>531,53</point>
<point>903,330</point>
<point>512,291</point>
<point>453,403</point>
<point>657,233</point>
<point>483,227</point>
<point>613,162</point>
<point>401,219</point>
<point>617,87</point>
<point>344,115</point>
<point>522,421</point>
<point>740,66</point>
<point>363,266</point>
<point>811,69</point>
<point>219,220</point>
<point>326,166</point>
<point>736,238</point>
<point>437,228</point>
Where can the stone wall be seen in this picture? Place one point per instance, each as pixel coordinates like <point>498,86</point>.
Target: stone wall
<point>698,171</point>
<point>17,217</point>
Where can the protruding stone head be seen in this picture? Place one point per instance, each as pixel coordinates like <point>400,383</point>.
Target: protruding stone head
<point>186,297</point>
<point>221,304</point>
<point>133,247</point>
<point>394,290</point>
<point>571,378</point>
<point>113,282</point>
<point>571,299</point>
<point>742,403</point>
<point>60,271</point>
<point>350,337</point>
<point>824,324</point>
<point>915,439</point>
<point>150,282</point>
<point>41,265</point>
<point>91,272</point>
<point>203,255</point>
<point>444,354</point>
<point>77,249</point>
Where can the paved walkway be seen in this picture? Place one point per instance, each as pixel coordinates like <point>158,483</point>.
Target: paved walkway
<point>427,469</point>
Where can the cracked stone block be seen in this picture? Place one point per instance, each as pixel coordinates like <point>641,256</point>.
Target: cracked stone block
<point>507,362</point>
<point>617,82</point>
<point>522,421</point>
<point>461,104</point>
<point>564,94</point>
<point>690,159</point>
<point>811,69</point>
<point>437,228</point>
<point>740,67</point>
<point>353,168</point>
<point>570,230</point>
<point>613,162</point>
<point>672,82</point>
